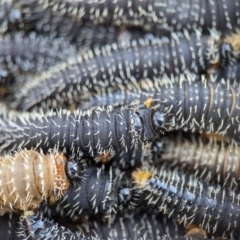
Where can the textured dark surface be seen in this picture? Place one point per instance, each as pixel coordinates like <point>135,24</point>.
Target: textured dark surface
<point>164,15</point>
<point>100,191</point>
<point>191,200</point>
<point>88,74</point>
<point>92,132</point>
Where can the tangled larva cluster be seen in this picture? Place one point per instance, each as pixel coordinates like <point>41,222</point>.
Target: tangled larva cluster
<point>114,112</point>
<point>191,200</point>
<point>91,73</point>
<point>28,177</point>
<point>90,133</point>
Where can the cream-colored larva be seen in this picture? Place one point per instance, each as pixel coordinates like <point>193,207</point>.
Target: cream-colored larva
<point>29,177</point>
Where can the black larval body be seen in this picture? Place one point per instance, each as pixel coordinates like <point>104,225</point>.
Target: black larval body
<point>90,73</point>
<point>193,201</point>
<point>90,133</point>
<point>168,16</point>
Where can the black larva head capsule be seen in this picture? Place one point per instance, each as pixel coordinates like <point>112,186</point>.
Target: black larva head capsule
<point>158,119</point>
<point>74,171</point>
<point>227,53</point>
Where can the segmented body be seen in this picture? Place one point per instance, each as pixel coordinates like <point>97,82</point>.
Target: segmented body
<point>215,161</point>
<point>169,16</point>
<point>10,227</point>
<point>191,102</point>
<point>134,227</point>
<point>29,16</point>
<point>29,177</point>
<point>231,72</point>
<point>113,66</point>
<point>100,191</point>
<point>146,227</point>
<point>92,133</point>
<point>32,52</point>
<point>192,200</point>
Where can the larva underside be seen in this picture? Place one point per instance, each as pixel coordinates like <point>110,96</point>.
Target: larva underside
<point>28,177</point>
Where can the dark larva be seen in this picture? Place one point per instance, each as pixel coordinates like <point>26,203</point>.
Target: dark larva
<point>191,102</point>
<point>191,200</point>
<point>9,227</point>
<point>134,227</point>
<point>32,53</point>
<point>28,16</point>
<point>92,132</point>
<point>231,72</point>
<point>33,227</point>
<point>212,160</point>
<point>137,228</point>
<point>20,54</point>
<point>113,66</point>
<point>169,16</point>
<point>100,191</point>
<point>29,177</point>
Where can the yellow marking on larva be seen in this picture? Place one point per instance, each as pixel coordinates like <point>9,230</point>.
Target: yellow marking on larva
<point>140,177</point>
<point>148,103</point>
<point>24,186</point>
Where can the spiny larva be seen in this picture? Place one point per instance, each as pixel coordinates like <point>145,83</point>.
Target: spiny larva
<point>89,74</point>
<point>28,177</point>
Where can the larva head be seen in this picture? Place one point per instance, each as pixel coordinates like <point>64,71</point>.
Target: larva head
<point>75,171</point>
<point>128,197</point>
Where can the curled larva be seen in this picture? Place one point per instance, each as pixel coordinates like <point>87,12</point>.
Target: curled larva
<point>115,66</point>
<point>190,200</point>
<point>100,191</point>
<point>168,16</point>
<point>212,160</point>
<point>29,177</point>
<point>90,133</point>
